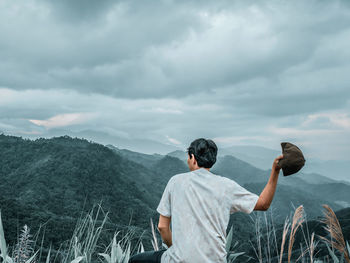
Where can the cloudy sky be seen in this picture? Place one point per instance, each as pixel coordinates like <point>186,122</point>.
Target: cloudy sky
<point>239,72</point>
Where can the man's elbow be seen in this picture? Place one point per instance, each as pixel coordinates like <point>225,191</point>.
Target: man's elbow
<point>266,207</point>
<point>163,229</point>
<point>262,206</point>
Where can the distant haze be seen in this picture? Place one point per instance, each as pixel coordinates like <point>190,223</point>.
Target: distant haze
<point>153,76</point>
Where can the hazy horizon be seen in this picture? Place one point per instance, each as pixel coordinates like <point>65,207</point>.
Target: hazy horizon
<point>257,156</point>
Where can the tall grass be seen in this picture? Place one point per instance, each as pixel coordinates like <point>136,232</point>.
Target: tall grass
<point>24,248</point>
<point>284,236</point>
<point>117,254</point>
<point>231,254</point>
<point>265,245</point>
<point>298,219</point>
<point>24,254</point>
<point>266,248</point>
<point>337,239</point>
<point>85,245</point>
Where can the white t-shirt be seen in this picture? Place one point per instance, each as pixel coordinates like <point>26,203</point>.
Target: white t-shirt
<point>199,204</point>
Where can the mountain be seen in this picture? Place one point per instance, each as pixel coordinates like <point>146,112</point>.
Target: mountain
<point>120,140</point>
<point>54,180</point>
<point>169,166</point>
<point>336,192</point>
<point>335,169</point>
<point>291,190</point>
<point>308,185</point>
<point>315,178</point>
<point>238,170</point>
<point>146,160</point>
<point>258,156</point>
<point>300,188</point>
<point>262,158</point>
<point>183,156</point>
<point>164,166</point>
<point>310,190</point>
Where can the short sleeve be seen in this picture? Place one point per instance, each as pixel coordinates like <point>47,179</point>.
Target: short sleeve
<point>164,207</point>
<point>241,200</point>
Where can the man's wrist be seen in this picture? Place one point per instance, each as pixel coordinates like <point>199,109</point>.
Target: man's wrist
<point>274,174</point>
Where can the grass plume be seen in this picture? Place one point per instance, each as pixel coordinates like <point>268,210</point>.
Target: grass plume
<point>333,228</point>
<point>298,219</point>
<point>284,235</point>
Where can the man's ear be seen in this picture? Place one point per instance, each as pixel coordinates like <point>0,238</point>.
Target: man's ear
<point>193,159</point>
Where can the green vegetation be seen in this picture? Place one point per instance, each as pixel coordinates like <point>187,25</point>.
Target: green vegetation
<point>86,244</point>
<point>47,183</point>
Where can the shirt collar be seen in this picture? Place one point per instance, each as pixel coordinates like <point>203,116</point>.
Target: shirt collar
<point>202,170</point>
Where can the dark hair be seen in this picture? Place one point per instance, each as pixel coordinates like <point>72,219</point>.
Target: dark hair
<point>204,151</point>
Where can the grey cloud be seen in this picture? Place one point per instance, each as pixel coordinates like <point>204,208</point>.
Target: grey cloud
<point>274,99</point>
<point>136,50</point>
<point>79,10</point>
<point>105,57</point>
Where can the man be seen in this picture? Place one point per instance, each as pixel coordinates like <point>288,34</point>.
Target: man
<point>198,204</point>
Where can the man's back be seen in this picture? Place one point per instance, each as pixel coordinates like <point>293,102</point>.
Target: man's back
<point>199,203</point>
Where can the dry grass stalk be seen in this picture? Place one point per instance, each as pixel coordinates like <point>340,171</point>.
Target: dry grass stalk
<point>285,231</point>
<point>334,229</point>
<point>302,253</point>
<point>154,241</point>
<point>311,250</point>
<point>298,219</point>
<point>312,247</point>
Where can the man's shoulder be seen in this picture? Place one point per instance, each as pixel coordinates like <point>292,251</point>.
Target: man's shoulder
<point>180,175</point>
<point>186,175</point>
<point>226,180</point>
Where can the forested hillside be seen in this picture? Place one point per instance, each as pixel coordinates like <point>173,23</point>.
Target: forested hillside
<point>53,180</point>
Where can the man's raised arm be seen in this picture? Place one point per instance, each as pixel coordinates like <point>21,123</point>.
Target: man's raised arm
<point>267,194</point>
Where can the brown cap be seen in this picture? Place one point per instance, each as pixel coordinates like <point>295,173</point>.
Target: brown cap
<point>293,159</point>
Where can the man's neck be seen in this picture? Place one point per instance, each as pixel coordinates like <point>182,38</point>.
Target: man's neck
<point>203,168</point>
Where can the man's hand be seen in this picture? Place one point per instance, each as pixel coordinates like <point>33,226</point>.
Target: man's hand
<point>275,166</point>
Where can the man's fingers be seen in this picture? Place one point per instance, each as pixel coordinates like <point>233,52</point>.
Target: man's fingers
<point>278,158</point>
